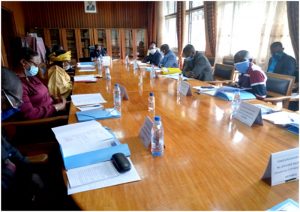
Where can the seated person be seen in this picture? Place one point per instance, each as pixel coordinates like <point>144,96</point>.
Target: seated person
<point>251,75</point>
<point>169,60</point>
<point>280,62</point>
<point>22,188</point>
<point>97,52</point>
<point>154,56</point>
<point>58,80</point>
<point>37,102</point>
<point>196,65</point>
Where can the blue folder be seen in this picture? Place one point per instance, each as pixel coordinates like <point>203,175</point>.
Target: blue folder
<point>93,157</point>
<point>87,63</point>
<point>97,114</point>
<point>227,93</point>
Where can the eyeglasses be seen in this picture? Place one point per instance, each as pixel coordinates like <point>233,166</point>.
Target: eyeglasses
<point>14,101</point>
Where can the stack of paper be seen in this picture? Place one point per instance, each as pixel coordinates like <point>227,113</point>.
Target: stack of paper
<point>85,78</point>
<point>282,118</point>
<point>87,149</point>
<point>87,99</point>
<point>210,90</point>
<point>174,76</point>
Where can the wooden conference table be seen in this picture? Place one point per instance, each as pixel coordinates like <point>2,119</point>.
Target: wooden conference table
<point>211,161</point>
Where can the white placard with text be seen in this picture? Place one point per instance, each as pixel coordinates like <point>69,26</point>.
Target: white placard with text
<point>145,132</point>
<point>185,89</point>
<point>282,167</point>
<point>248,114</point>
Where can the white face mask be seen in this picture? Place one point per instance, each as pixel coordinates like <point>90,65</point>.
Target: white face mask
<point>152,51</point>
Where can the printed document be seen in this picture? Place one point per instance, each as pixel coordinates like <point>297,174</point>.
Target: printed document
<point>82,137</point>
<point>85,78</point>
<point>87,99</point>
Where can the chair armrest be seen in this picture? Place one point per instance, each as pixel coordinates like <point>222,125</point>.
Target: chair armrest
<point>38,159</point>
<point>36,121</point>
<point>280,99</point>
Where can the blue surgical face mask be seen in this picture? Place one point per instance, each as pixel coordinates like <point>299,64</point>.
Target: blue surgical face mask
<point>32,71</point>
<point>8,113</point>
<point>242,67</point>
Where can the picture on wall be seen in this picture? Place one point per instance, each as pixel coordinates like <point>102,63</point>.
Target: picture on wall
<point>90,7</point>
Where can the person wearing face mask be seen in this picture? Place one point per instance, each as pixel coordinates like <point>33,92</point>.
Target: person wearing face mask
<point>154,56</point>
<point>250,75</point>
<point>196,65</point>
<point>169,60</point>
<point>37,102</point>
<point>280,62</point>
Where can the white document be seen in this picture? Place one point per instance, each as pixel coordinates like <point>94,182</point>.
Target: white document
<point>91,173</point>
<point>248,114</point>
<point>82,137</point>
<point>209,89</point>
<point>282,118</point>
<point>126,177</point>
<point>87,99</point>
<point>282,167</point>
<point>85,78</point>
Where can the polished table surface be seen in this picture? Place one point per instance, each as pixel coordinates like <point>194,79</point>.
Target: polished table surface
<point>211,161</point>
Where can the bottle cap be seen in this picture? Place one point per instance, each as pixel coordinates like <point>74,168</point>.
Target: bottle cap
<point>116,85</point>
<point>151,94</point>
<point>157,118</point>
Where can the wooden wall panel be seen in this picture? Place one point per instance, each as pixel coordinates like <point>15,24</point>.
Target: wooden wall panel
<point>72,15</point>
<point>17,10</point>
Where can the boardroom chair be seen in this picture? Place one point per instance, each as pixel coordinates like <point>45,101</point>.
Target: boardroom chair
<point>228,60</point>
<point>223,74</point>
<point>279,89</point>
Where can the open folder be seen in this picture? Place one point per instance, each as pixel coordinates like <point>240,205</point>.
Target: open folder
<point>97,114</point>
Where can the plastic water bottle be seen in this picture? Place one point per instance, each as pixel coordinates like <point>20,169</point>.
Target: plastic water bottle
<point>179,83</point>
<point>151,102</point>
<point>117,98</point>
<point>157,137</point>
<point>126,60</point>
<point>135,65</point>
<point>235,103</point>
<point>152,72</point>
<point>99,67</point>
<point>107,73</point>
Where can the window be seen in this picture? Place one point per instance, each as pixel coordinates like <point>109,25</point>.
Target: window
<point>194,26</point>
<point>170,33</point>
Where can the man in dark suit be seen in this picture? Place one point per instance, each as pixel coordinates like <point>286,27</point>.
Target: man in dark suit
<point>196,65</point>
<point>90,6</point>
<point>280,62</point>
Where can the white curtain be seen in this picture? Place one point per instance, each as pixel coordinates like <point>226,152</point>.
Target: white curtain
<point>251,26</point>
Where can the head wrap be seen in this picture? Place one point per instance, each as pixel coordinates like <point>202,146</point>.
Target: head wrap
<point>62,57</point>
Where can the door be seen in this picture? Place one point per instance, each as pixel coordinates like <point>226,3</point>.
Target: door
<point>8,34</point>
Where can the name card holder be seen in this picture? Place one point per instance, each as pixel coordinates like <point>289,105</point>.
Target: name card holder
<point>145,132</point>
<point>185,89</point>
<point>249,114</point>
<point>282,167</point>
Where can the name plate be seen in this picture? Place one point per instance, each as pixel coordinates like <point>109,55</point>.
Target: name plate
<point>248,114</point>
<point>185,89</point>
<point>145,132</point>
<point>282,167</point>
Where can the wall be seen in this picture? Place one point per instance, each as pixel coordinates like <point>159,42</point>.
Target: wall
<point>17,10</point>
<point>72,15</point>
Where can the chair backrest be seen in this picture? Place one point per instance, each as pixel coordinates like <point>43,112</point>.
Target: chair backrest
<point>85,59</point>
<point>279,84</point>
<point>228,60</point>
<point>223,72</point>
